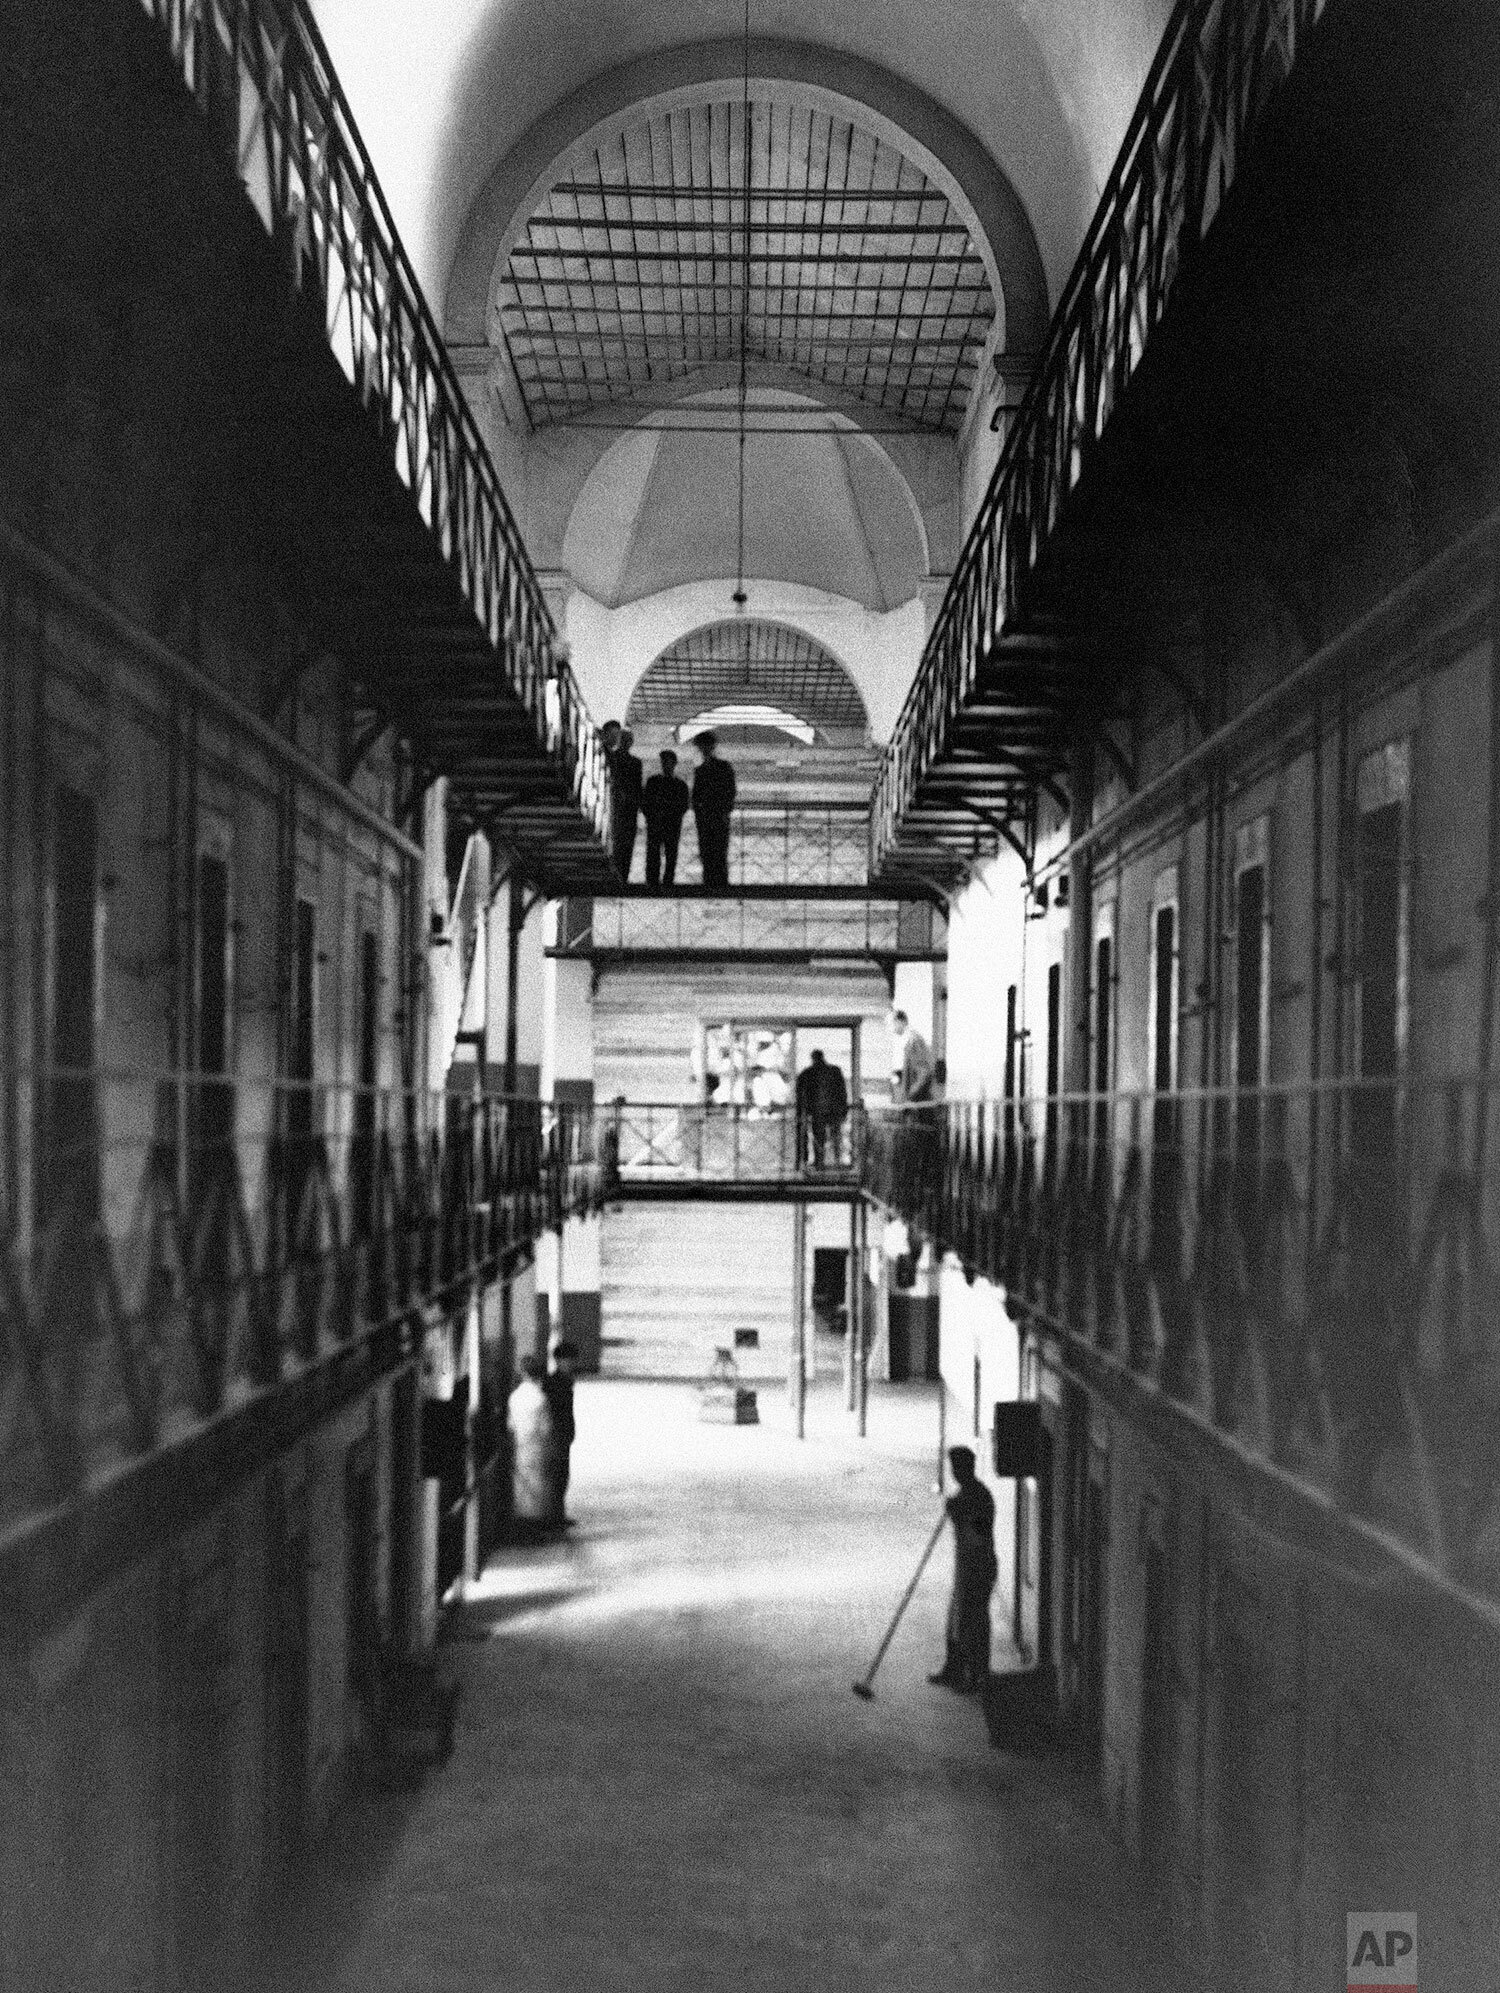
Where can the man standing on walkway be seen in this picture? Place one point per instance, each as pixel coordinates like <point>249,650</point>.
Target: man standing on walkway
<point>966,1666</point>
<point>713,800</point>
<point>558,1386</point>
<point>664,804</point>
<point>629,780</point>
<point>822,1103</point>
<point>912,1065</point>
<point>625,775</point>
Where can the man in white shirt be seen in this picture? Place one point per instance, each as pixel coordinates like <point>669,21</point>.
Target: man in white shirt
<point>533,1454</point>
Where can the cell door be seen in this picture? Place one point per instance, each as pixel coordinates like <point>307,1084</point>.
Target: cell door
<point>1095,1593</point>
<point>68,1149</point>
<point>1381,951</point>
<point>1155,1785</point>
<point>287,1680</point>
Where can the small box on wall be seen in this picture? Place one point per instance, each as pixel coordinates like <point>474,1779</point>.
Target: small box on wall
<point>1017,1438</point>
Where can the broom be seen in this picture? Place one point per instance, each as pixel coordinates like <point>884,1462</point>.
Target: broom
<point>865,1689</point>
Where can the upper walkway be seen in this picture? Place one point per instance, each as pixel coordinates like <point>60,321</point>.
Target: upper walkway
<point>220,1260</point>
<point>1299,1278</point>
<point>694,1152</point>
<point>753,925</point>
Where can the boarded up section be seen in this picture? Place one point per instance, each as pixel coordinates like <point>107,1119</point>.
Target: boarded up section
<point>646,1020</point>
<point>680,1279</point>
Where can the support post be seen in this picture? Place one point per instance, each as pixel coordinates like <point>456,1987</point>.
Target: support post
<point>863,1343</point>
<point>799,1318</point>
<point>550,1325</point>
<point>942,1450</point>
<point>854,1312</point>
<point>514,924</point>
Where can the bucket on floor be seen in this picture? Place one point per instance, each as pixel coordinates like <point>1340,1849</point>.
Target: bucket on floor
<point>1021,1712</point>
<point>722,1399</point>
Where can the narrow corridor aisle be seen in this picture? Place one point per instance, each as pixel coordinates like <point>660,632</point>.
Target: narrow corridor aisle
<point>662,1780</point>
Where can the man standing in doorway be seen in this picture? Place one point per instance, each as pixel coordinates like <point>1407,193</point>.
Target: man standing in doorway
<point>966,1666</point>
<point>822,1103</point>
<point>912,1067</point>
<point>664,804</point>
<point>713,800</point>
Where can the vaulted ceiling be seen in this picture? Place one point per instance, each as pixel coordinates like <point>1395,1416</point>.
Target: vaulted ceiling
<point>447,91</point>
<point>792,371</point>
<point>643,261</point>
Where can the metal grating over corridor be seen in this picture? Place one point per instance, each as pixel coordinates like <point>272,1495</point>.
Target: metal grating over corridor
<point>633,269</point>
<point>749,662</point>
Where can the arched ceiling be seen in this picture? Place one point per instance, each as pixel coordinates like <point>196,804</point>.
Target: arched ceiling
<point>747,662</point>
<point>634,267</point>
<point>445,92</point>
<point>825,508</point>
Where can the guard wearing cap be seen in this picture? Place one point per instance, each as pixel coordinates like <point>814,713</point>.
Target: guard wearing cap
<point>713,800</point>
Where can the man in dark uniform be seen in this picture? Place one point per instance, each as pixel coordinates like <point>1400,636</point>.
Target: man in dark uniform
<point>822,1103</point>
<point>558,1387</point>
<point>629,778</point>
<point>972,1513</point>
<point>664,804</point>
<point>713,800</point>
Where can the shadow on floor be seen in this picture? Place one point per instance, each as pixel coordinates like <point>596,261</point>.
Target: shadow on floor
<point>476,1619</point>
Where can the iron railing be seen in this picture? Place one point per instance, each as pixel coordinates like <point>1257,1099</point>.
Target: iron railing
<point>172,1247</point>
<point>1219,67</point>
<point>695,1143</point>
<point>797,846</point>
<point>261,75</point>
<point>1309,1270</point>
<point>863,929</point>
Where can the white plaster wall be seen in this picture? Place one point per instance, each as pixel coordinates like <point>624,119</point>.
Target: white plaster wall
<point>985,947</point>
<point>567,1022</point>
<point>992,944</point>
<point>611,648</point>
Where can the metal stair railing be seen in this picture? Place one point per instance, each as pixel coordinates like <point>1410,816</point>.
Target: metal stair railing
<point>262,77</point>
<point>1218,68</point>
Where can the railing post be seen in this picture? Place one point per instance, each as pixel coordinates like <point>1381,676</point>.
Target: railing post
<point>798,1377</point>
<point>862,1342</point>
<point>854,1308</point>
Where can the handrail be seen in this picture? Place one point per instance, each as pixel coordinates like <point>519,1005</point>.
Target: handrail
<point>176,1244</point>
<point>262,75</point>
<point>694,1142</point>
<point>1218,67</point>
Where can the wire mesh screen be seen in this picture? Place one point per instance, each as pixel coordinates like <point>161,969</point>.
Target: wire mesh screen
<point>632,270</point>
<point>746,662</point>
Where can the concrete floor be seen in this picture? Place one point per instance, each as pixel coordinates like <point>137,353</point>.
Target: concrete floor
<point>662,1779</point>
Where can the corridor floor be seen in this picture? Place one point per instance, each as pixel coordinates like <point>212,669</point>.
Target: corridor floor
<point>662,1780</point>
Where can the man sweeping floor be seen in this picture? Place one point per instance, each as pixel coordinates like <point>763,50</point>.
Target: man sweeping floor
<point>972,1513</point>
